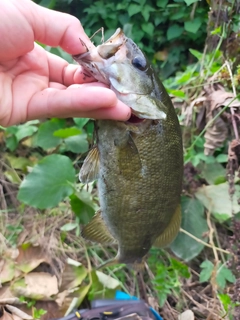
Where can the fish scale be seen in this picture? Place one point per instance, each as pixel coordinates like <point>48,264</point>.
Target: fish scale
<point>140,161</point>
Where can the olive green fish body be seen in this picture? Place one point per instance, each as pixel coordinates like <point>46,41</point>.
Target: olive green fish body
<point>140,161</point>
<point>139,190</point>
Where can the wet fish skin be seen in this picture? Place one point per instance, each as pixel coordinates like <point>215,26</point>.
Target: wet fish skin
<point>140,161</point>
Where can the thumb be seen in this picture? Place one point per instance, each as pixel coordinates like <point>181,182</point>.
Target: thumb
<point>55,28</point>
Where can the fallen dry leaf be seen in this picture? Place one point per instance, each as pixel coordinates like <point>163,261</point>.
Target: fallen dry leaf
<point>221,97</point>
<point>8,271</point>
<point>7,297</point>
<point>36,285</point>
<point>72,276</point>
<point>217,131</point>
<point>16,311</point>
<point>12,313</point>
<point>31,257</point>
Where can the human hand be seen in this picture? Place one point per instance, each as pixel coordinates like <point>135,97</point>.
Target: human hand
<point>36,84</point>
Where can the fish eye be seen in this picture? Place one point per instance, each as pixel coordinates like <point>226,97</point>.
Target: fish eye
<point>139,62</point>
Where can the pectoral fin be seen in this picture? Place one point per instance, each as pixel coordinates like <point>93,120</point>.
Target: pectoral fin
<point>97,231</point>
<point>171,231</point>
<point>90,168</point>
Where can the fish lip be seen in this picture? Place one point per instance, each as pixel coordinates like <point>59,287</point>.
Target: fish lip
<point>135,120</point>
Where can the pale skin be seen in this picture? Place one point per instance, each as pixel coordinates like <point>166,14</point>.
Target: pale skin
<point>36,84</point>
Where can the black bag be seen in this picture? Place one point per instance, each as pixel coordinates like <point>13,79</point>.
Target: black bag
<point>115,310</point>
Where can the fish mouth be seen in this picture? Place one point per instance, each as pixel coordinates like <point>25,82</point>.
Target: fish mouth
<point>134,119</point>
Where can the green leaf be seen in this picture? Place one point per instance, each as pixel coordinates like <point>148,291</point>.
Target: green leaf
<point>217,30</point>
<point>48,183</point>
<point>73,275</point>
<point>69,226</point>
<point>226,301</point>
<point>83,206</point>
<point>223,275</point>
<point>193,25</point>
<point>80,122</point>
<point>196,54</point>
<point>207,269</point>
<point>212,172</point>
<point>174,31</point>
<point>107,281</point>
<point>148,28</point>
<point>77,144</point>
<point>18,162</point>
<point>81,294</point>
<point>189,2</point>
<point>11,142</point>
<point>178,15</point>
<point>47,3</point>
<point>217,200</point>
<point>12,176</point>
<point>133,9</point>
<point>25,131</point>
<point>146,12</point>
<point>12,130</point>
<point>59,52</point>
<point>222,158</point>
<point>162,3</point>
<point>178,93</point>
<point>181,268</point>
<point>103,286</point>
<point>194,222</point>
<point>45,138</point>
<point>67,132</point>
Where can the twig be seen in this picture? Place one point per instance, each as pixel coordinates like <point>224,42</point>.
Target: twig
<point>199,305</point>
<point>205,243</point>
<point>170,309</point>
<point>205,289</point>
<point>213,280</point>
<point>218,243</point>
<point>211,232</point>
<point>193,11</point>
<point>150,274</point>
<point>232,108</point>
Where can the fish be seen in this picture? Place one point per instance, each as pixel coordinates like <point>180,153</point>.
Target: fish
<point>138,164</point>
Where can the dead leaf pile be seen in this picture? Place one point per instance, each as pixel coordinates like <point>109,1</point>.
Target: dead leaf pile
<point>27,274</point>
<point>216,123</point>
<point>212,108</point>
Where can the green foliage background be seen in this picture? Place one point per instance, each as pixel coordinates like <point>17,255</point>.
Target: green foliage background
<point>164,29</point>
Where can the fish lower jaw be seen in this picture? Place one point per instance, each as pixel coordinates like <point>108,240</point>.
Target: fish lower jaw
<point>134,119</point>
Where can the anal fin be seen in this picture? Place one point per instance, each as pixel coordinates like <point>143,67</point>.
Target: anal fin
<point>90,168</point>
<point>97,231</point>
<point>170,233</point>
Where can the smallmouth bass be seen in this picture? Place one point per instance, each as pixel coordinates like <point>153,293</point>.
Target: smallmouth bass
<point>138,163</point>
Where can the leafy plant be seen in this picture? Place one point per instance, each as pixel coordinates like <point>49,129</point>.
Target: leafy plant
<point>38,313</point>
<point>15,134</point>
<point>194,222</point>
<point>220,274</point>
<point>167,278</point>
<point>163,28</point>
